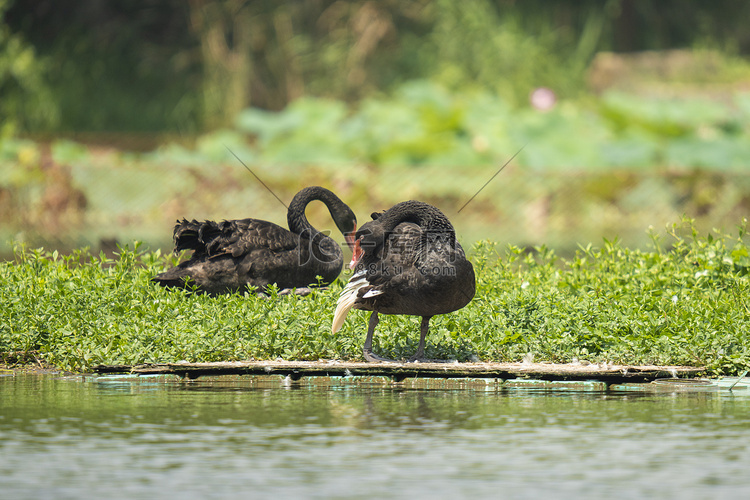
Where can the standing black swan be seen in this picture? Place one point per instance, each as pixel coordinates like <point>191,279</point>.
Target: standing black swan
<point>406,261</point>
<point>232,255</point>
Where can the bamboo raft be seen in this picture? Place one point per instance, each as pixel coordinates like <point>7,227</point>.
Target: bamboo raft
<point>295,370</point>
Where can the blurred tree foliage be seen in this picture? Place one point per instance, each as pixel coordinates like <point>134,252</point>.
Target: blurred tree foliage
<point>26,98</point>
<point>151,65</point>
<point>114,66</point>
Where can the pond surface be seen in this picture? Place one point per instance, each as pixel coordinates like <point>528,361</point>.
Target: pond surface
<point>150,437</point>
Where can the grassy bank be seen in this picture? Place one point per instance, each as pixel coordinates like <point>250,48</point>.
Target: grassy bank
<point>684,301</point>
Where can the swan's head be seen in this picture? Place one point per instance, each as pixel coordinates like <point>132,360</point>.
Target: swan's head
<point>367,239</point>
<point>346,221</point>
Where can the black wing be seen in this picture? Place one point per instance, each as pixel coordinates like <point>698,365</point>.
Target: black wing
<point>233,237</point>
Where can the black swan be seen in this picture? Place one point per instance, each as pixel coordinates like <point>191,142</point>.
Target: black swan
<point>229,256</point>
<point>406,261</point>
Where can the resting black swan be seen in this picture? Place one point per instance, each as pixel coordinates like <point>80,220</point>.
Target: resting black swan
<point>231,255</point>
<point>406,261</point>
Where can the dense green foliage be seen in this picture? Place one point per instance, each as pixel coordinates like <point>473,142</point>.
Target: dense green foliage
<point>682,303</point>
<point>26,94</point>
<point>75,65</point>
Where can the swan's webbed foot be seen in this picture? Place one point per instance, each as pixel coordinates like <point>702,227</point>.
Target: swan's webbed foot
<point>422,359</point>
<point>417,358</point>
<point>371,357</point>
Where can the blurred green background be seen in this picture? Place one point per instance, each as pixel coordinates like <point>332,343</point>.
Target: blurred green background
<point>116,118</point>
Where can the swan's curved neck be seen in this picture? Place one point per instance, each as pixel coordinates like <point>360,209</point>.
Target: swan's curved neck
<point>296,218</point>
<point>425,216</point>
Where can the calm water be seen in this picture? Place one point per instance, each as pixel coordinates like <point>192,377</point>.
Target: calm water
<point>126,437</point>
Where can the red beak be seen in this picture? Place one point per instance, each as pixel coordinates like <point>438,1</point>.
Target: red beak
<point>350,237</point>
<point>356,255</point>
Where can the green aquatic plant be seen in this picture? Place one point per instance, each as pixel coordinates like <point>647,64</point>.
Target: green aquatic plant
<point>681,302</point>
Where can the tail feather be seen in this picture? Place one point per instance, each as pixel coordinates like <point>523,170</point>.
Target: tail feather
<point>186,235</point>
<point>347,300</point>
<point>194,235</point>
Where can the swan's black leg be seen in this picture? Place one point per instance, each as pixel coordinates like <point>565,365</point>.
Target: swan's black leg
<point>370,330</point>
<point>424,328</point>
<point>367,348</point>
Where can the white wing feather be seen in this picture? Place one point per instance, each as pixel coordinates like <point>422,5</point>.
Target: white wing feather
<point>347,299</point>
<point>372,292</point>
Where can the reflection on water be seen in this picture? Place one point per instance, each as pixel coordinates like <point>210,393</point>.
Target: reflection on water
<point>118,437</point>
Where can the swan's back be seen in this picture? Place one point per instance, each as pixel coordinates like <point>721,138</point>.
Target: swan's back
<point>417,272</point>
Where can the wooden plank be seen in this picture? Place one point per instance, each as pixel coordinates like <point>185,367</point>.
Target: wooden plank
<point>615,374</point>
